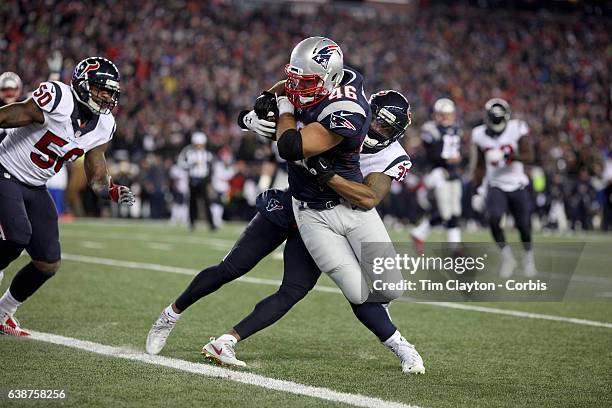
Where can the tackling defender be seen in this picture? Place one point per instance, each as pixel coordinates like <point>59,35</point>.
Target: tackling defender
<point>58,124</point>
<point>382,160</point>
<point>500,149</point>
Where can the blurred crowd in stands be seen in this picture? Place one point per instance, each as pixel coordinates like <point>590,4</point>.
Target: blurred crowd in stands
<point>191,66</point>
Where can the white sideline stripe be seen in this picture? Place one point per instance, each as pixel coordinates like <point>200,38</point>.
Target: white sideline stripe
<point>208,370</point>
<point>328,289</point>
<point>518,313</point>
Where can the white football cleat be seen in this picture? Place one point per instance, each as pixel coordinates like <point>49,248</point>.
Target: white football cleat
<point>411,360</point>
<point>158,335</point>
<point>508,263</point>
<point>10,327</point>
<point>222,351</point>
<point>529,267</point>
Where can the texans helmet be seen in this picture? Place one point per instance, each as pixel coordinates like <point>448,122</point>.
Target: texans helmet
<point>391,117</point>
<point>497,115</point>
<point>90,77</point>
<point>315,68</point>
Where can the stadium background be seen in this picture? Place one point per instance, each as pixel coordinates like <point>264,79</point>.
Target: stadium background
<point>192,66</point>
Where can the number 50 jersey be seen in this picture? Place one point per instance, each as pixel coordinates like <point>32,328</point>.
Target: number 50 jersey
<point>34,153</point>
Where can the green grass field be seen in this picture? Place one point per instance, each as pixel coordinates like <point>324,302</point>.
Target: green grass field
<point>473,358</point>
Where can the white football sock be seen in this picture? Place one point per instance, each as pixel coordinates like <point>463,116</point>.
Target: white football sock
<point>392,341</point>
<point>507,253</point>
<point>1,276</point>
<point>228,337</point>
<point>422,230</point>
<point>8,304</point>
<point>454,234</point>
<point>171,313</point>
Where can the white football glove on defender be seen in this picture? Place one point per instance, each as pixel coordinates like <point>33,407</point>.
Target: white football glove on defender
<point>479,198</point>
<point>261,127</point>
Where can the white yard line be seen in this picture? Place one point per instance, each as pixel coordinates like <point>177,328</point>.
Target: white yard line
<point>215,243</point>
<point>219,372</point>
<point>226,244</point>
<point>327,289</point>
<point>92,245</point>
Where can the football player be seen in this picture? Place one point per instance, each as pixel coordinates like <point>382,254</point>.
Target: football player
<point>58,124</point>
<point>500,148</point>
<point>442,140</point>
<point>328,102</point>
<point>382,160</point>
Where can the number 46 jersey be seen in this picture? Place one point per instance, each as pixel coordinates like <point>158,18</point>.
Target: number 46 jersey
<point>34,153</point>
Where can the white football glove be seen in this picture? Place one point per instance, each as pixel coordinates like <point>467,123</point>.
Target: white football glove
<point>261,127</point>
<point>495,157</point>
<point>479,199</point>
<point>284,105</point>
<point>54,62</point>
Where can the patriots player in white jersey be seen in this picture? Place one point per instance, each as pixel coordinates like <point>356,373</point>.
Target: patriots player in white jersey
<point>58,124</point>
<point>384,161</point>
<point>500,149</point>
<point>441,138</point>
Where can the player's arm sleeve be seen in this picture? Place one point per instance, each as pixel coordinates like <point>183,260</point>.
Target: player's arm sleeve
<point>398,168</point>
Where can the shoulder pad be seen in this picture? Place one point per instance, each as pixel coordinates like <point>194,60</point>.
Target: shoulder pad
<point>344,117</point>
<point>108,126</point>
<point>54,97</point>
<point>477,134</point>
<point>430,132</point>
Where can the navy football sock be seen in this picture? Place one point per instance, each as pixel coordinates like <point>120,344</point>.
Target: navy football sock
<point>374,316</point>
<point>9,251</point>
<point>27,281</point>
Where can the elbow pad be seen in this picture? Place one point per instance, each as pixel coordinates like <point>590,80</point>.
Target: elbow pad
<point>290,145</point>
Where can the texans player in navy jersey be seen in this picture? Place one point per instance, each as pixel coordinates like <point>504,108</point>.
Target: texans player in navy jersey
<point>441,138</point>
<point>385,160</point>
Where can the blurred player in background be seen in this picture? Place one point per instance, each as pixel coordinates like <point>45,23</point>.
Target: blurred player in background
<point>198,162</point>
<point>500,150</point>
<point>179,187</point>
<point>441,138</point>
<point>223,171</point>
<point>58,124</point>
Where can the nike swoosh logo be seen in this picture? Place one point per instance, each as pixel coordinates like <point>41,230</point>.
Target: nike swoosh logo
<point>218,351</point>
<point>344,114</point>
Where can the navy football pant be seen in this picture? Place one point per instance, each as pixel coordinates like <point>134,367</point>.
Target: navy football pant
<point>519,204</point>
<point>28,220</point>
<point>258,240</point>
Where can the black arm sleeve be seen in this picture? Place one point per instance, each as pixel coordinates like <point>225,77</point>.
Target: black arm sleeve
<point>290,145</point>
